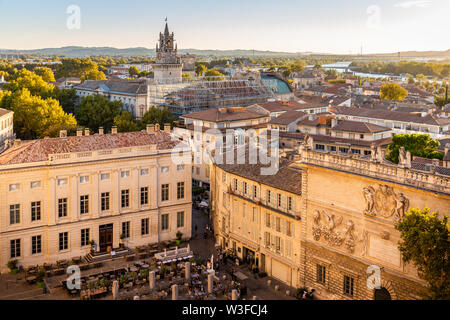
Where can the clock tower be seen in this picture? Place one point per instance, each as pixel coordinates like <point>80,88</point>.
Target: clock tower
<point>168,67</point>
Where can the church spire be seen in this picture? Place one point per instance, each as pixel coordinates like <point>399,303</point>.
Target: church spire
<point>166,30</point>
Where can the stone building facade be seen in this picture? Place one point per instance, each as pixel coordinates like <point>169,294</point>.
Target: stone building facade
<point>169,66</point>
<point>60,193</point>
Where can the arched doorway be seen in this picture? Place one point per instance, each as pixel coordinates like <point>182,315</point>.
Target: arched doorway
<point>382,294</point>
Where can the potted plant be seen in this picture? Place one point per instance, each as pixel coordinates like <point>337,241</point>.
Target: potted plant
<point>179,237</point>
<point>12,265</point>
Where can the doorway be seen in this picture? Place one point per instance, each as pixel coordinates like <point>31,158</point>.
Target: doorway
<point>106,237</point>
<point>382,294</point>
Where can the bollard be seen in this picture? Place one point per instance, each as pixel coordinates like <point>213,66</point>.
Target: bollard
<point>152,279</point>
<point>115,289</point>
<point>277,287</point>
<point>234,295</point>
<point>210,283</point>
<point>187,271</point>
<point>136,298</point>
<point>288,293</point>
<point>175,292</point>
<point>254,298</point>
<point>269,283</point>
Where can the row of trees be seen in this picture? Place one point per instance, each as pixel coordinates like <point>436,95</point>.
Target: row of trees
<point>415,68</point>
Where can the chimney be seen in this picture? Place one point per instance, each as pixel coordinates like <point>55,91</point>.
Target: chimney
<point>101,131</point>
<point>333,122</point>
<point>150,128</point>
<point>86,131</point>
<point>167,127</point>
<point>63,133</point>
<point>79,132</point>
<point>114,130</point>
<point>157,127</point>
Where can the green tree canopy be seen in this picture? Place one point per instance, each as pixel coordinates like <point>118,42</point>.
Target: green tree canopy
<point>67,98</point>
<point>200,69</point>
<point>133,71</point>
<point>35,117</point>
<point>84,69</point>
<point>33,82</point>
<point>420,145</point>
<point>425,242</point>
<point>214,74</point>
<point>45,73</point>
<point>393,91</point>
<point>97,111</point>
<point>155,115</point>
<point>124,122</point>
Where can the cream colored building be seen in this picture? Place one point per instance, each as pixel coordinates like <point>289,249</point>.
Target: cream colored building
<point>258,217</point>
<point>59,193</point>
<point>343,214</point>
<point>6,128</point>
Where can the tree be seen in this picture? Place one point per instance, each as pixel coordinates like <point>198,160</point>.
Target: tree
<point>133,71</point>
<point>93,75</point>
<point>420,145</point>
<point>200,69</point>
<point>84,69</point>
<point>393,91</point>
<point>33,82</point>
<point>45,73</point>
<point>35,117</point>
<point>214,75</point>
<point>67,98</point>
<point>97,111</point>
<point>155,115</point>
<point>124,122</point>
<point>425,242</point>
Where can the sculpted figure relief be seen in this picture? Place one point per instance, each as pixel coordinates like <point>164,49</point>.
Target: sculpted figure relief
<point>384,202</point>
<point>327,230</point>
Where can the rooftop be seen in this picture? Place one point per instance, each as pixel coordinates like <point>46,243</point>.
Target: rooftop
<point>288,117</point>
<point>224,114</point>
<point>124,86</point>
<point>357,126</point>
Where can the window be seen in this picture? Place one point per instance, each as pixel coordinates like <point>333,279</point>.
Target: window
<point>36,244</point>
<point>197,170</point>
<point>320,147</point>
<point>62,207</point>
<point>290,203</point>
<point>13,187</point>
<point>144,172</point>
<point>245,187</point>
<point>144,226</point>
<point>278,243</point>
<point>84,237</point>
<point>125,174</point>
<point>279,200</point>
<point>105,176</point>
<point>268,196</point>
<point>84,179</point>
<point>105,201</point>
<point>348,286</point>
<point>223,224</point>
<point>332,148</point>
<point>320,274</point>
<point>180,190</point>
<point>144,196</point>
<point>278,224</point>
<point>267,239</point>
<point>180,219</point>
<point>356,151</point>
<point>289,228</point>
<point>63,241</point>
<point>62,182</point>
<point>254,214</point>
<point>164,192</point>
<point>164,169</point>
<point>35,211</point>
<point>224,177</point>
<point>235,184</point>
<point>15,248</point>
<point>126,229</point>
<point>14,214</point>
<point>367,152</point>
<point>164,222</point>
<point>84,204</point>
<point>361,136</point>
<point>343,150</point>
<point>180,167</point>
<point>267,220</point>
<point>125,198</point>
<point>255,191</point>
<point>35,184</point>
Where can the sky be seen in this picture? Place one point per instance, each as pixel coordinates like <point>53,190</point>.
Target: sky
<point>323,26</point>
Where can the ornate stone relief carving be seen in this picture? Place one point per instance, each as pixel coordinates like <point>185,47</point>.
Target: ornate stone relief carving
<point>327,230</point>
<point>384,202</point>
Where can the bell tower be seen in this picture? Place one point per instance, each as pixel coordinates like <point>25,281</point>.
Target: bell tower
<point>168,67</point>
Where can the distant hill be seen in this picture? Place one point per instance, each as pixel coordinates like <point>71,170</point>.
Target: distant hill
<point>81,52</point>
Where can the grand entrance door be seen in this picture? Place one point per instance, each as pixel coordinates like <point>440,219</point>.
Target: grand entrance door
<point>106,237</point>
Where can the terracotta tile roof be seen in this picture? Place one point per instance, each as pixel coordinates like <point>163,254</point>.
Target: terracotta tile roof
<point>277,106</point>
<point>287,117</point>
<point>287,178</point>
<point>224,114</point>
<point>4,112</point>
<point>357,126</point>
<point>39,150</point>
<point>390,115</point>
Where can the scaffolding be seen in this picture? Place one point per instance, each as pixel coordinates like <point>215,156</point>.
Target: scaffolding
<point>199,93</point>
